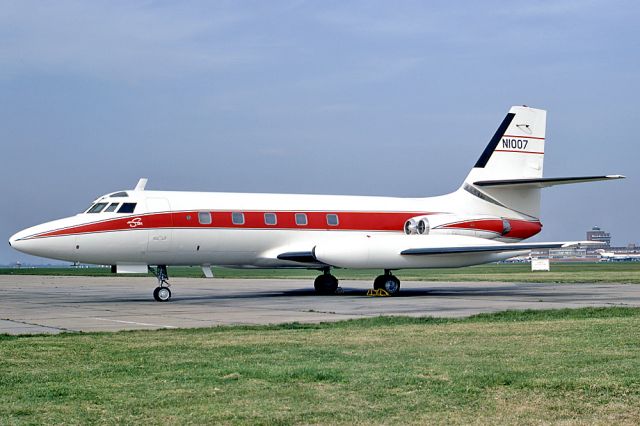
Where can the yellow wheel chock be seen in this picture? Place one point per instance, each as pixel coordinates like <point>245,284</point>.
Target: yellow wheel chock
<point>377,292</point>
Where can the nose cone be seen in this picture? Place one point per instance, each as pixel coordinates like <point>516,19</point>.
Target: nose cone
<point>35,241</point>
<point>52,240</point>
<point>17,242</point>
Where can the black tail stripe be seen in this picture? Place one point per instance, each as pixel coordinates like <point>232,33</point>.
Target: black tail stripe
<point>488,151</point>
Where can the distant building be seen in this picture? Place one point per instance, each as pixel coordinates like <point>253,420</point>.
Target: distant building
<point>590,253</point>
<point>597,234</point>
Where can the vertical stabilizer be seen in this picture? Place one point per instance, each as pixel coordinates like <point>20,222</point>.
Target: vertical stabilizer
<point>516,151</point>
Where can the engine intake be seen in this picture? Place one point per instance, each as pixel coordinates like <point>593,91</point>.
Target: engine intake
<point>482,226</point>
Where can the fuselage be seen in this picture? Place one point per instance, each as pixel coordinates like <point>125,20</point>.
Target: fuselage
<point>251,230</point>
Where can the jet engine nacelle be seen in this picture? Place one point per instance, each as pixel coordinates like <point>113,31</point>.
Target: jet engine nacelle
<point>481,226</point>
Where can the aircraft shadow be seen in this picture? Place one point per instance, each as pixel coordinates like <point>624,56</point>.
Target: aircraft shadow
<point>458,292</point>
<point>427,292</point>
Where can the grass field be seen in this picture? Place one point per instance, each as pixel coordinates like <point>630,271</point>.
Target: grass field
<point>569,366</point>
<point>615,272</point>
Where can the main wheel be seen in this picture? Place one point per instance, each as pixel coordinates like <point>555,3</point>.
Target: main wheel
<point>325,284</point>
<point>388,283</point>
<point>162,294</point>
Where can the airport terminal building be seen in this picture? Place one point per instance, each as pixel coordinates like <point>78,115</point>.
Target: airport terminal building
<point>588,254</point>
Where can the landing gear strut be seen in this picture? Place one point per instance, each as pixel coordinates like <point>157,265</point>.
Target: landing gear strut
<point>162,292</point>
<point>326,283</point>
<point>388,282</point>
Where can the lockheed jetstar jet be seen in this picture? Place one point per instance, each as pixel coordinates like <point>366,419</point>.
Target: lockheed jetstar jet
<point>496,207</point>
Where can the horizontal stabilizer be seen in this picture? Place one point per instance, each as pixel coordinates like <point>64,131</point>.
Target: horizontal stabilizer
<point>542,182</point>
<point>483,249</point>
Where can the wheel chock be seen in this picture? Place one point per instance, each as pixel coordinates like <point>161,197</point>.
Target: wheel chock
<point>377,293</point>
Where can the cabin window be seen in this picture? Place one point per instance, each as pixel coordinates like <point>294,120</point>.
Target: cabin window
<point>301,219</point>
<point>332,219</point>
<point>112,208</point>
<point>237,218</point>
<point>97,208</point>
<point>127,208</point>
<point>204,218</point>
<point>270,219</point>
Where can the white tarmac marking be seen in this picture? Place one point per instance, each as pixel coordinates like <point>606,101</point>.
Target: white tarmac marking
<point>136,323</point>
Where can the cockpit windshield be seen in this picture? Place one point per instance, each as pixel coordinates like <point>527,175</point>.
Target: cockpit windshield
<point>97,208</point>
<point>113,207</point>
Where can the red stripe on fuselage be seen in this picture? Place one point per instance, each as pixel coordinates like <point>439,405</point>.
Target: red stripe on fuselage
<point>491,225</point>
<point>154,220</point>
<point>352,221</point>
<point>520,229</point>
<point>347,221</point>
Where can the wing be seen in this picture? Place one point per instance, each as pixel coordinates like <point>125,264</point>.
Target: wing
<point>405,251</point>
<point>494,248</point>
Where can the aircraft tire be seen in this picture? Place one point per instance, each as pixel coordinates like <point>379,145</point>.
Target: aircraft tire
<point>389,283</point>
<point>325,284</point>
<point>162,294</point>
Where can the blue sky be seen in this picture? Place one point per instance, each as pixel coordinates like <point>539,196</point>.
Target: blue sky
<point>370,98</point>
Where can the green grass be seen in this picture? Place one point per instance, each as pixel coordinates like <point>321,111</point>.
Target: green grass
<point>615,272</point>
<point>570,366</point>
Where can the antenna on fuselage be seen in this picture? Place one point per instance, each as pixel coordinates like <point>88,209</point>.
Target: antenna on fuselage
<point>141,184</point>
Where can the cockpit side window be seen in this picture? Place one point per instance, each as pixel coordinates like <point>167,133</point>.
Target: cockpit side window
<point>112,208</point>
<point>119,194</point>
<point>127,208</point>
<point>97,208</point>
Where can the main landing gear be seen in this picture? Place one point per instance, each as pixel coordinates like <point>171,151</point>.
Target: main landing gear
<point>326,283</point>
<point>162,292</point>
<point>388,282</point>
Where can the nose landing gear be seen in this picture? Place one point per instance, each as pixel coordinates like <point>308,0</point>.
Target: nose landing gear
<point>162,292</point>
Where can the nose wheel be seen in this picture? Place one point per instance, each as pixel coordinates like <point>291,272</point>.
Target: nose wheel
<point>388,282</point>
<point>162,292</point>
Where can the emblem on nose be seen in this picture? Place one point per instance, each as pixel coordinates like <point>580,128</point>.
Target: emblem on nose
<point>134,223</point>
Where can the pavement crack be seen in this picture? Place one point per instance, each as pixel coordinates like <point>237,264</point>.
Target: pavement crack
<point>40,325</point>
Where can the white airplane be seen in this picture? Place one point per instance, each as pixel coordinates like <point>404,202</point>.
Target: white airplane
<point>496,207</point>
<point>608,256</point>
